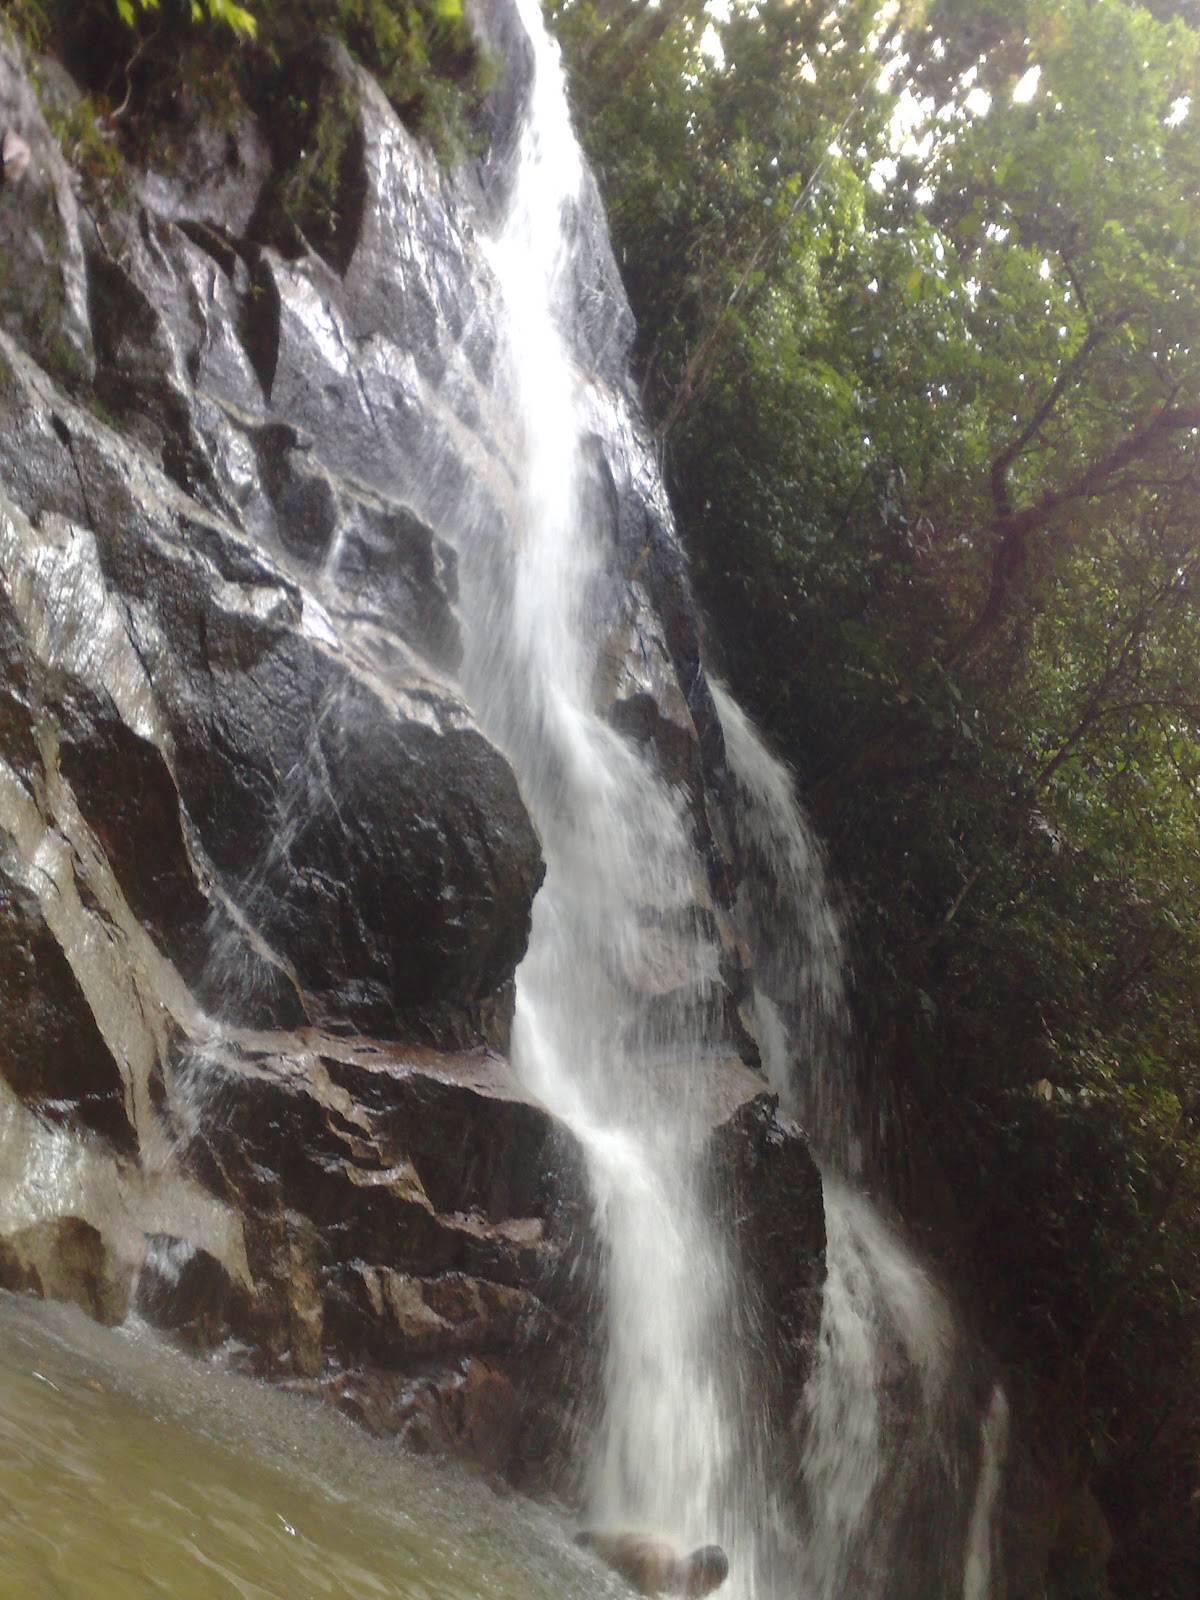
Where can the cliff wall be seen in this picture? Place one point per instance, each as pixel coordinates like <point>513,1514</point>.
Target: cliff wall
<point>264,883</point>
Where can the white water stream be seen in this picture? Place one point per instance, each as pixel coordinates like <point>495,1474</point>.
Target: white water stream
<point>614,971</point>
<point>979,1575</point>
<point>888,1458</point>
<point>609,997</point>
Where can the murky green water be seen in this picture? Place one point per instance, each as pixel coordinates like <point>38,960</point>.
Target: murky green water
<point>128,1470</point>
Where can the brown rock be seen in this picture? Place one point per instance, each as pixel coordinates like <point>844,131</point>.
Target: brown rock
<point>64,1258</point>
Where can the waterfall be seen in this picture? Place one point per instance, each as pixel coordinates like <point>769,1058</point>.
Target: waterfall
<point>619,971</point>
<point>978,1576</point>
<point>611,997</point>
<point>796,938</point>
<point>887,1419</point>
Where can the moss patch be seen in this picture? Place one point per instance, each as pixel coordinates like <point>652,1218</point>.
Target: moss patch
<point>315,194</point>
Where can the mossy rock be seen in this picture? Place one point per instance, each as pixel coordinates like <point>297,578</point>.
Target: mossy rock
<point>43,280</point>
<point>315,194</point>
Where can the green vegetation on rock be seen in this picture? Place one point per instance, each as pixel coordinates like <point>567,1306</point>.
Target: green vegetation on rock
<point>150,68</point>
<point>233,16</point>
<point>918,291</point>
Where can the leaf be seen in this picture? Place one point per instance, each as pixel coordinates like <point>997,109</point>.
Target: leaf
<point>234,16</point>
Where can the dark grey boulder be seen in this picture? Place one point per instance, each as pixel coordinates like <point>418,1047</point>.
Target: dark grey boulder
<point>368,834</point>
<point>767,1185</point>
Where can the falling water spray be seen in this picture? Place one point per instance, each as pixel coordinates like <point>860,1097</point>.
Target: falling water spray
<point>889,1447</point>
<point>620,971</point>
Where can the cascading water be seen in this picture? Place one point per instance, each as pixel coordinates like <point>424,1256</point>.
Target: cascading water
<point>619,978</point>
<point>980,1564</point>
<point>887,1454</point>
<point>617,971</point>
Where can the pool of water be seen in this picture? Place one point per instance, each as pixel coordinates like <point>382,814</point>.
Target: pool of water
<point>130,1470</point>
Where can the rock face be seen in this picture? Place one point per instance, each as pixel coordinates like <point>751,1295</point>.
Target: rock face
<point>264,883</point>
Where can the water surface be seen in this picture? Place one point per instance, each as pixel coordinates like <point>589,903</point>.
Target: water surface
<point>129,1470</point>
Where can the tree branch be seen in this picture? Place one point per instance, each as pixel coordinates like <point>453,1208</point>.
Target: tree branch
<point>1067,375</point>
<point>1012,530</point>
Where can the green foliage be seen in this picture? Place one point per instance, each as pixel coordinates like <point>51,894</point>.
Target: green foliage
<point>150,68</point>
<point>233,16</point>
<point>421,51</point>
<point>90,146</point>
<point>424,60</point>
<point>930,406</point>
<point>312,196</point>
<point>31,21</point>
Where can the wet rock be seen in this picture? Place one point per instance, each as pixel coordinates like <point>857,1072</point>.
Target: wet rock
<point>396,1318</point>
<point>769,1188</point>
<point>189,1292</point>
<point>77,1216</point>
<point>400,573</point>
<point>98,756</point>
<point>43,277</point>
<point>64,1258</point>
<point>127,796</point>
<point>381,848</point>
<point>504,34</point>
<point>52,1052</point>
<point>486,1414</point>
<point>341,1157</point>
<point>403,1158</point>
<point>368,833</point>
<point>212,185</point>
<point>474,1410</point>
<point>140,378</point>
<point>643,698</point>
